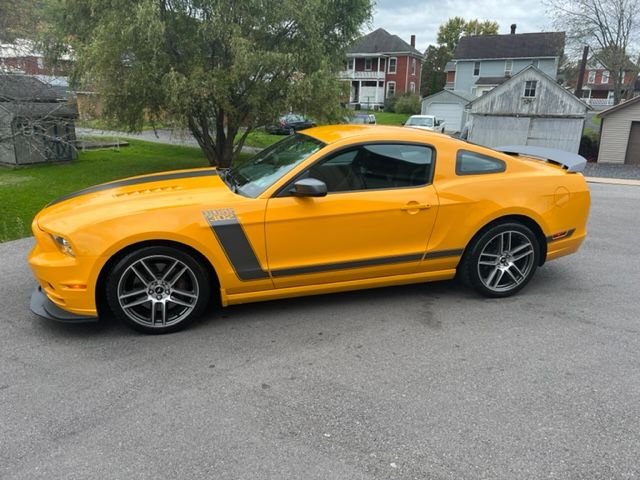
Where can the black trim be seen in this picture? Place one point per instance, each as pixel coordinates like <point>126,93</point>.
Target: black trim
<point>369,262</point>
<point>235,244</point>
<point>136,181</point>
<point>569,233</point>
<point>45,308</point>
<point>443,253</point>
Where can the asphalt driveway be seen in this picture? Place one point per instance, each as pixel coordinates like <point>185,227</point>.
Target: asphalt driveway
<point>417,382</point>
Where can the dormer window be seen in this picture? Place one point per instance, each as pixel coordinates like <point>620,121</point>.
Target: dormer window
<point>508,67</point>
<point>530,88</point>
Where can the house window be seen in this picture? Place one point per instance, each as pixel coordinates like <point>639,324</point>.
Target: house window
<point>413,66</point>
<point>40,62</point>
<point>412,87</point>
<point>393,63</point>
<point>476,68</point>
<point>391,89</point>
<point>508,68</point>
<point>530,88</point>
<point>592,77</point>
<point>605,77</point>
<point>350,64</point>
<point>367,64</point>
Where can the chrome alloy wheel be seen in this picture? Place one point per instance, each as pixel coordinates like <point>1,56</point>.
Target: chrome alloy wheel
<point>506,261</point>
<point>158,291</point>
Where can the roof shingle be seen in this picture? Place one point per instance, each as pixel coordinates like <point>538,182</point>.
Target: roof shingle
<point>520,45</point>
<point>381,41</point>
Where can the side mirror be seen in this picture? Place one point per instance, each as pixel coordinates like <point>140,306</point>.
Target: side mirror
<point>309,187</point>
<point>438,122</point>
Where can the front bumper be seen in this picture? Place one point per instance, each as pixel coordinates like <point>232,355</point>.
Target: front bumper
<point>45,308</point>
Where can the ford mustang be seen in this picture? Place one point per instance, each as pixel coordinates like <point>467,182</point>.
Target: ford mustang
<point>331,209</point>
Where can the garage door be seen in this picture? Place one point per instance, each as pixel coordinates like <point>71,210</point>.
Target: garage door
<point>451,113</point>
<point>633,147</point>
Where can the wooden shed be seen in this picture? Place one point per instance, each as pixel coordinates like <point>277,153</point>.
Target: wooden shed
<point>36,126</point>
<point>528,109</point>
<point>448,105</point>
<point>620,133</point>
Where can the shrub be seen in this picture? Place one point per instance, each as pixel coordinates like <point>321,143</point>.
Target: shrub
<point>589,145</point>
<point>408,103</point>
<point>390,103</point>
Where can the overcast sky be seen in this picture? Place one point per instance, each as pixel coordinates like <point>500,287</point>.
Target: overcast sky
<point>423,17</point>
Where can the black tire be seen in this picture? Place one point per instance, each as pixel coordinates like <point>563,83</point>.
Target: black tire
<point>158,289</point>
<point>501,260</point>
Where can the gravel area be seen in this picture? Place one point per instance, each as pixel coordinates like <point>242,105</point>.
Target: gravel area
<point>612,170</point>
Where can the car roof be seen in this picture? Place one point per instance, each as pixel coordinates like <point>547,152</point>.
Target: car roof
<point>335,133</point>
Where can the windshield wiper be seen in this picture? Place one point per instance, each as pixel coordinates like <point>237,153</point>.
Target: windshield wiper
<point>229,179</point>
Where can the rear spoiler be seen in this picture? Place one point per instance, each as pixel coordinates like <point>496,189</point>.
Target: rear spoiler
<point>571,162</point>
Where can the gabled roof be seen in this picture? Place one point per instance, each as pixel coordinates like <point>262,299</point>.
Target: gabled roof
<point>463,95</point>
<point>15,87</point>
<point>381,41</point>
<point>529,72</point>
<point>517,45</point>
<point>620,106</point>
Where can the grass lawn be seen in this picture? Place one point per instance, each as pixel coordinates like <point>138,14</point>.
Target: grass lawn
<point>388,118</point>
<point>24,191</point>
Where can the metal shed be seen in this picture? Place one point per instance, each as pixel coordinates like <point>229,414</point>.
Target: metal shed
<point>448,105</point>
<point>620,133</point>
<point>528,109</point>
<point>36,126</point>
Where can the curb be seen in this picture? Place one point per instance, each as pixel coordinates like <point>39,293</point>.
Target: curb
<point>613,181</point>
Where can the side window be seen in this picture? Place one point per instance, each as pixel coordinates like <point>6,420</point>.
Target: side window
<point>471,163</point>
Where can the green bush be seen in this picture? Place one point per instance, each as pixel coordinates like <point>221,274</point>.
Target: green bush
<point>390,103</point>
<point>408,103</point>
<point>589,145</point>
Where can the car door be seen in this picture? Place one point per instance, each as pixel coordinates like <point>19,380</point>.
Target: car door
<point>375,220</point>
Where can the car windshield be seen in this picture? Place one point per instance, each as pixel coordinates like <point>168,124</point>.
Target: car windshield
<point>420,121</point>
<point>254,176</point>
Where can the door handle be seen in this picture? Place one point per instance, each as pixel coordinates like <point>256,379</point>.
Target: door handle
<point>415,206</point>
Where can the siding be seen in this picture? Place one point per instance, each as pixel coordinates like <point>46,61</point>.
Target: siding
<point>615,134</point>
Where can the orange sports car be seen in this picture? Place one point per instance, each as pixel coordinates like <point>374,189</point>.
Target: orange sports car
<point>331,209</point>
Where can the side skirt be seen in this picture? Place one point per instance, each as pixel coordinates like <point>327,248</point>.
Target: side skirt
<point>300,291</point>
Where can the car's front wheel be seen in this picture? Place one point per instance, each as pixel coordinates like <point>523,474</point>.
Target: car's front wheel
<point>158,289</point>
<point>501,261</point>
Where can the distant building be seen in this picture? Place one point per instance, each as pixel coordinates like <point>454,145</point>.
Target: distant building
<point>22,56</point>
<point>381,65</point>
<point>597,83</point>
<point>482,62</point>
<point>36,125</point>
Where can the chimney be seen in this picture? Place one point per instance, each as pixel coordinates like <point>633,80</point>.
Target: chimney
<point>513,28</point>
<point>413,41</point>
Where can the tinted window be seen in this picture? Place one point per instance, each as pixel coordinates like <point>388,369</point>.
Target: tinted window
<point>470,163</point>
<point>374,167</point>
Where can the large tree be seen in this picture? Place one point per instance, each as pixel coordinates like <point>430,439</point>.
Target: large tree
<point>437,56</point>
<point>19,19</point>
<point>224,66</point>
<point>609,27</point>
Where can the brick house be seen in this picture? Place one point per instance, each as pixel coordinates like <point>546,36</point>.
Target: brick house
<point>380,65</point>
<point>597,87</point>
<point>23,57</point>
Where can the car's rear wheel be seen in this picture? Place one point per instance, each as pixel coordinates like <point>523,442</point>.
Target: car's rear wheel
<point>501,260</point>
<point>158,289</point>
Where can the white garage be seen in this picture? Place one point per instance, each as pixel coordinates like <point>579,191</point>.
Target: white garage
<point>528,109</point>
<point>448,105</point>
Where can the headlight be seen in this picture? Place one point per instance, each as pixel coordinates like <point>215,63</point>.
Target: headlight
<point>63,245</point>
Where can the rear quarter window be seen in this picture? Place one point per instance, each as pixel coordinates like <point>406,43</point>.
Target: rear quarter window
<point>472,163</point>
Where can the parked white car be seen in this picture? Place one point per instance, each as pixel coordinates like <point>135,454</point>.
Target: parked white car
<point>425,122</point>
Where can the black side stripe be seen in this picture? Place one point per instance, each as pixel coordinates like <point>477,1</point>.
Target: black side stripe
<point>233,240</point>
<point>236,246</point>
<point>443,253</point>
<point>136,181</point>
<point>369,262</point>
